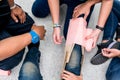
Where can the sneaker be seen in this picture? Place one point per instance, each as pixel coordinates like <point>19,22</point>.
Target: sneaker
<point>99,58</point>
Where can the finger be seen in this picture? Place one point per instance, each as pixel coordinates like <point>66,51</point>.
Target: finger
<point>59,39</point>
<point>23,17</point>
<point>20,18</point>
<point>85,17</point>
<point>55,40</point>
<point>65,78</point>
<point>67,72</point>
<point>75,14</point>
<point>106,53</point>
<point>14,18</point>
<point>94,44</point>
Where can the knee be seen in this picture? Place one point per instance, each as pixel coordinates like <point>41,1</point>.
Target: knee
<point>29,69</point>
<point>40,8</point>
<point>74,60</point>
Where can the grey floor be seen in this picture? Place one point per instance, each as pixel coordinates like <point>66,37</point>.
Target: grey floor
<point>52,55</point>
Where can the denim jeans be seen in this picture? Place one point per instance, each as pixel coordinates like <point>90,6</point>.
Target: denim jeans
<point>113,72</point>
<point>40,9</point>
<point>112,22</point>
<point>30,67</point>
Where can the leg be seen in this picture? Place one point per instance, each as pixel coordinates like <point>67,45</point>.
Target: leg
<point>30,68</point>
<point>74,64</point>
<point>110,26</point>
<point>113,72</point>
<point>40,8</point>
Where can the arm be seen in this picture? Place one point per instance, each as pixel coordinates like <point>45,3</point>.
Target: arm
<point>105,10</point>
<point>54,8</point>
<point>84,8</point>
<point>10,46</point>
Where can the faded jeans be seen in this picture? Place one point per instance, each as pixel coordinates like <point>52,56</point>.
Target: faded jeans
<point>113,72</point>
<point>30,67</point>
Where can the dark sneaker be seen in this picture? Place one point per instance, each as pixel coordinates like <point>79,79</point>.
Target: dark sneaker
<point>99,58</point>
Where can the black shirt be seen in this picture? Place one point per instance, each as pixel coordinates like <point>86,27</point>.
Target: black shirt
<point>4,13</point>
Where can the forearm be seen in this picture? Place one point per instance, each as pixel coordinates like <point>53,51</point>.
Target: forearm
<point>54,9</point>
<point>105,10</point>
<point>10,46</point>
<point>92,2</point>
<point>11,2</point>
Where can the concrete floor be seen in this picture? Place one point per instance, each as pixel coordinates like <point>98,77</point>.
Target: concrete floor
<point>52,55</point>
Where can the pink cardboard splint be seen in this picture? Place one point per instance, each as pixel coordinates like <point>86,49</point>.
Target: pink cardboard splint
<point>6,73</point>
<point>77,33</point>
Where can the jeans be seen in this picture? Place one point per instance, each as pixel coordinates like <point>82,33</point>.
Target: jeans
<point>40,8</point>
<point>112,22</point>
<point>113,72</point>
<point>30,67</point>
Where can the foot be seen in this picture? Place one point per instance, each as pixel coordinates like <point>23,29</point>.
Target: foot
<point>99,58</point>
<point>6,73</point>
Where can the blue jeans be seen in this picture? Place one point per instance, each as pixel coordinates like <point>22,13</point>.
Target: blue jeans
<point>40,9</point>
<point>112,22</point>
<point>13,29</point>
<point>30,67</point>
<point>113,72</point>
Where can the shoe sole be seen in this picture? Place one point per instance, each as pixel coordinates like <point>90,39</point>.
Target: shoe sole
<point>99,58</point>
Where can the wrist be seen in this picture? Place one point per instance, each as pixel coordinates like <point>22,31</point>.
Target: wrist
<point>13,6</point>
<point>99,28</point>
<point>56,25</point>
<point>35,37</point>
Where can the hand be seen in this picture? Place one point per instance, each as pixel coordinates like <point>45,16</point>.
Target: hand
<point>18,14</point>
<point>83,8</point>
<point>95,35</point>
<point>110,53</point>
<point>70,76</point>
<point>40,30</point>
<point>57,38</point>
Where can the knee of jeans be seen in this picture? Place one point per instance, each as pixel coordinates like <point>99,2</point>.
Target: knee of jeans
<point>39,10</point>
<point>74,60</point>
<point>29,69</point>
